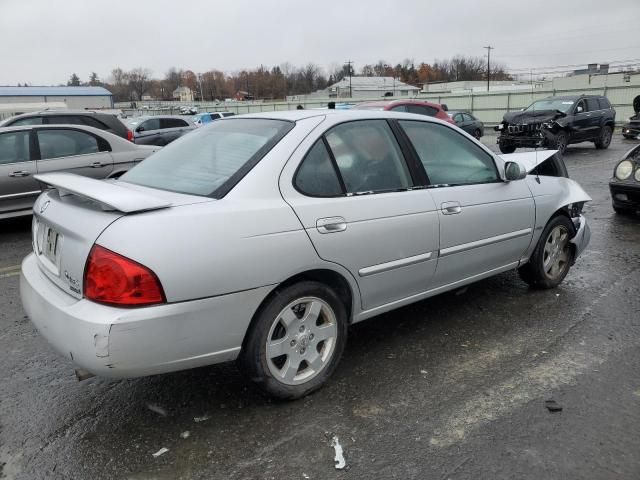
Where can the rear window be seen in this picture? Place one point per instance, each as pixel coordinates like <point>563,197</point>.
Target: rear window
<point>604,103</point>
<point>209,161</point>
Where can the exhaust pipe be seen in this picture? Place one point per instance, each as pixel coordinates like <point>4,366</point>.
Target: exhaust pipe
<point>83,374</point>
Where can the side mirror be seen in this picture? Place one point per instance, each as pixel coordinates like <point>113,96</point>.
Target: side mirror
<point>514,171</point>
<point>579,109</point>
<point>140,129</point>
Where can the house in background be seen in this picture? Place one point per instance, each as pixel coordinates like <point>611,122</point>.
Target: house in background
<point>183,94</point>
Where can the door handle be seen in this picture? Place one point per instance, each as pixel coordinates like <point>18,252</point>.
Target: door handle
<point>97,165</point>
<point>20,173</point>
<point>331,225</point>
<point>450,208</point>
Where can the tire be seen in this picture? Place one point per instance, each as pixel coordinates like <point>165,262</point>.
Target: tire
<point>507,148</point>
<point>552,258</point>
<point>623,211</point>
<point>604,140</point>
<point>287,370</point>
<point>477,133</point>
<point>560,142</point>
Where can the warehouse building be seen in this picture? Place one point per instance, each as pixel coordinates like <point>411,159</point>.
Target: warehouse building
<point>23,99</point>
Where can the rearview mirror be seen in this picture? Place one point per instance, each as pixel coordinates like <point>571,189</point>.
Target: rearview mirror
<point>514,171</point>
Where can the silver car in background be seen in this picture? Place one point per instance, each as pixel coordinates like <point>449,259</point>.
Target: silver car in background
<point>262,237</point>
<point>31,149</point>
<point>159,130</point>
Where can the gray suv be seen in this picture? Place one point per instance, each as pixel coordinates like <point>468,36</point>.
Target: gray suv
<point>158,130</point>
<point>104,121</point>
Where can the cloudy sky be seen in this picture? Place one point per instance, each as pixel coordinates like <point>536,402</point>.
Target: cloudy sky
<point>43,41</point>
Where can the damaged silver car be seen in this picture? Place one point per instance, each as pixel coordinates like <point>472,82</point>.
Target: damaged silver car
<point>263,237</point>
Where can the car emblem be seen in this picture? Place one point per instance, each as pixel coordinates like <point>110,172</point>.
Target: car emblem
<point>44,206</point>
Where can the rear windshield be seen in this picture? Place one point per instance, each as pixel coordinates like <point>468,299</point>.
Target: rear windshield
<point>210,160</point>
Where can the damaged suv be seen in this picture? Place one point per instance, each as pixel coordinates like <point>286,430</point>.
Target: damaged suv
<point>556,122</point>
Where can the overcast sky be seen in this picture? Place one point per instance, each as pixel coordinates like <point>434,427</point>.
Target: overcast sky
<point>43,41</point>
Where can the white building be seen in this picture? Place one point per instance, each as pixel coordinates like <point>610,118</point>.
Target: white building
<point>71,97</point>
<point>183,94</point>
<point>362,88</point>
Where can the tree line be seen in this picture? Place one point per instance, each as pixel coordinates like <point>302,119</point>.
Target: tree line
<point>278,81</point>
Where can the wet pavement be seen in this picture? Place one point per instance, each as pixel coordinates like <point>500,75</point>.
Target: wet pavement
<point>451,387</point>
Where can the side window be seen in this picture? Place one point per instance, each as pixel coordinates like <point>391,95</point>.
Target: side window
<point>215,116</point>
<point>448,157</point>
<point>14,147</point>
<point>26,121</point>
<point>151,124</point>
<point>592,104</point>
<point>399,108</point>
<point>63,119</point>
<point>228,114</point>
<point>92,122</point>
<point>422,110</point>
<point>458,118</point>
<point>173,123</point>
<point>316,175</point>
<point>368,157</point>
<point>604,103</point>
<point>582,104</point>
<point>468,118</point>
<point>64,143</point>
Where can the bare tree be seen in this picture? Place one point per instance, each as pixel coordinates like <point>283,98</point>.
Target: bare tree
<point>139,82</point>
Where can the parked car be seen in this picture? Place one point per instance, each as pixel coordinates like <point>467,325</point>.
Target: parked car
<point>556,122</point>
<point>204,118</point>
<point>263,237</point>
<point>632,129</point>
<point>159,129</point>
<point>625,183</point>
<point>411,106</point>
<point>31,149</point>
<point>468,123</point>
<point>188,110</point>
<point>102,120</point>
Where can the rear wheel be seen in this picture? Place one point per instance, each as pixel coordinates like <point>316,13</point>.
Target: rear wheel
<point>604,140</point>
<point>296,340</point>
<point>623,211</point>
<point>551,259</point>
<point>507,148</point>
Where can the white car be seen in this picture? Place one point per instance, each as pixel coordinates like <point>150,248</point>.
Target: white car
<point>262,237</point>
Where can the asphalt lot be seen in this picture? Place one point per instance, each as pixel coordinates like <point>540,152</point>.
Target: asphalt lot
<point>452,387</point>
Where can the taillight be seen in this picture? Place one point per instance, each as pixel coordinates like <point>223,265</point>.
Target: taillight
<point>129,135</point>
<point>113,279</point>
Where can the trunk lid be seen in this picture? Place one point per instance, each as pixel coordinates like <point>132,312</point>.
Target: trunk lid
<point>69,217</point>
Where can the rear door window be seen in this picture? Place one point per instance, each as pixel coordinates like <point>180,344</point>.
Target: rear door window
<point>468,118</point>
<point>592,104</point>
<point>151,124</point>
<point>317,176</point>
<point>65,143</point>
<point>92,122</point>
<point>14,147</point>
<point>173,123</point>
<point>398,108</point>
<point>26,121</point>
<point>604,103</point>
<point>368,157</point>
<point>448,157</point>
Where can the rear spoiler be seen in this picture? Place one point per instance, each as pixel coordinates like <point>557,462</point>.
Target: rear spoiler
<point>529,160</point>
<point>109,195</point>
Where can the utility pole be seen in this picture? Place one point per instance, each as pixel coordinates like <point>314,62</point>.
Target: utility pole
<point>349,63</point>
<point>489,48</point>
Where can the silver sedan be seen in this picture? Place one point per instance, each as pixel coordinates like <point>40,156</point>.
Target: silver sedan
<point>27,150</point>
<point>261,238</point>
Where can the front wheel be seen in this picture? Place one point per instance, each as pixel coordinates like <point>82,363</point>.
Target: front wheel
<point>551,259</point>
<point>560,142</point>
<point>507,148</point>
<point>296,340</point>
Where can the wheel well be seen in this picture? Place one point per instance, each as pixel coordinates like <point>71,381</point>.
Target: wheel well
<point>564,212</point>
<point>328,277</point>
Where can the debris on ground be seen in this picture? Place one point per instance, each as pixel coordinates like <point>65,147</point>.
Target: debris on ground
<point>185,434</point>
<point>203,418</point>
<point>157,409</point>
<point>552,406</point>
<point>339,457</point>
<point>162,451</point>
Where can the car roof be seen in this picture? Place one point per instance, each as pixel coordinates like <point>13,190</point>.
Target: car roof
<point>296,115</point>
<point>384,103</point>
<point>58,126</point>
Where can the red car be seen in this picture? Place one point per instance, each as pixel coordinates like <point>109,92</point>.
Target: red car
<point>411,106</point>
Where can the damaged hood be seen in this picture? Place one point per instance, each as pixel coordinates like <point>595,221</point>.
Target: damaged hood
<point>537,116</point>
<point>529,160</point>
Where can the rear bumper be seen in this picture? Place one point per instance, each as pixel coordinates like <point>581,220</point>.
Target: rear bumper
<point>120,343</point>
<point>625,195</point>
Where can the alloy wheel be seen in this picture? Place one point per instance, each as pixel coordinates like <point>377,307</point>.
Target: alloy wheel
<point>556,252</point>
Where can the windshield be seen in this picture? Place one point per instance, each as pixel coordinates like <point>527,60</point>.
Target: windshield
<point>556,104</point>
<point>209,158</point>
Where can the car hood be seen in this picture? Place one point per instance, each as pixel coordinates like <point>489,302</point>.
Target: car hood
<point>537,116</point>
